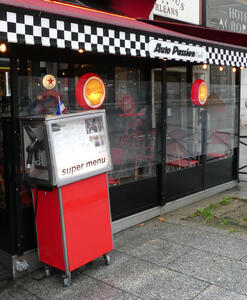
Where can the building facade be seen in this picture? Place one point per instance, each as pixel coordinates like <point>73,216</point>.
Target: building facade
<point>172,106</point>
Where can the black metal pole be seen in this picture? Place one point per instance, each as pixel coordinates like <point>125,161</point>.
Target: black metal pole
<point>204,12</point>
<point>237,130</point>
<point>163,133</point>
<point>15,138</point>
<point>204,130</point>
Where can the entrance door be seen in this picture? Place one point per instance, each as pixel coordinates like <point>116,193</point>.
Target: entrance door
<point>6,217</point>
<point>200,140</point>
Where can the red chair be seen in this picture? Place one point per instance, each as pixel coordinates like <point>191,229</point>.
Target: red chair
<point>219,141</point>
<point>177,157</point>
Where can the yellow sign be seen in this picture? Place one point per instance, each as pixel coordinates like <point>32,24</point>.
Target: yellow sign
<point>49,82</point>
<point>199,92</point>
<point>94,91</point>
<point>203,93</point>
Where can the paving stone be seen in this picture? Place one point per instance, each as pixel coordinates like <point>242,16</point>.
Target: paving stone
<point>145,280</point>
<point>14,292</point>
<point>213,242</point>
<point>47,287</point>
<point>224,272</point>
<point>82,287</point>
<point>214,292</point>
<point>157,251</point>
<point>151,229</point>
<point>244,259</point>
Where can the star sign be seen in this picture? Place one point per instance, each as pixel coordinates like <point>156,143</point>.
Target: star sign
<point>50,81</point>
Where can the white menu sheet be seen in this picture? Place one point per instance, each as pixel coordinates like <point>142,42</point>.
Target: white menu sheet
<point>80,146</point>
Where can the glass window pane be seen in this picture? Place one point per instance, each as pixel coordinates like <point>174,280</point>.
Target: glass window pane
<point>194,131</point>
<point>132,108</point>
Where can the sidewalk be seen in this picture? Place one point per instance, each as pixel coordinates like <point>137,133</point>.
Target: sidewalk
<point>164,258</point>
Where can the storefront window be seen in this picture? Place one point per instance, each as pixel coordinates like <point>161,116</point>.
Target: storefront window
<point>221,109</point>
<point>130,109</point>
<point>194,130</point>
<point>183,142</point>
<point>131,127</point>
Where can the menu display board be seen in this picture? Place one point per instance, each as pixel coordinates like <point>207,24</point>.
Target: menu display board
<point>79,147</point>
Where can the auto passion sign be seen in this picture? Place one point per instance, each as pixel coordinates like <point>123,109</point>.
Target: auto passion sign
<point>163,49</point>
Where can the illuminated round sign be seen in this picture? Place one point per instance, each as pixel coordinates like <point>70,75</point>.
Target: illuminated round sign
<point>199,92</point>
<point>90,91</point>
<point>49,82</point>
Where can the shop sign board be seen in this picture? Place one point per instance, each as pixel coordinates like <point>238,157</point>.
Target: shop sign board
<point>59,150</point>
<point>180,10</point>
<point>199,92</point>
<point>227,15</point>
<point>163,49</point>
<point>49,81</point>
<point>90,91</point>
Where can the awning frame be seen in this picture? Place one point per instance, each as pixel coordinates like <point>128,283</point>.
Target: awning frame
<point>31,27</point>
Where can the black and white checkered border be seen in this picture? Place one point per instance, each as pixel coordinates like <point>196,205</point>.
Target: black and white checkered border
<point>32,30</point>
<point>228,57</point>
<point>50,32</point>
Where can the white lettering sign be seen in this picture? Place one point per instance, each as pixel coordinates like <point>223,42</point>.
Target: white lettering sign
<point>227,15</point>
<point>181,10</point>
<point>164,49</point>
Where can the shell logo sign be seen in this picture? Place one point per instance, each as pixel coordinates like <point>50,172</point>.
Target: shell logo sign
<point>90,91</point>
<point>199,92</point>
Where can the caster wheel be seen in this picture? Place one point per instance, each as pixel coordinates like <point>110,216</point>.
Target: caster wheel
<point>67,281</point>
<point>107,259</point>
<point>48,271</point>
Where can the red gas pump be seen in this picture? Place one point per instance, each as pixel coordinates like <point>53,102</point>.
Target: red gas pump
<point>66,159</point>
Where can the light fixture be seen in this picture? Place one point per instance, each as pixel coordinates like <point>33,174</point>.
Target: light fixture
<point>3,48</point>
<point>81,50</point>
<point>221,68</point>
<point>204,67</point>
<point>234,69</point>
<point>242,68</point>
<point>164,59</point>
<point>63,73</point>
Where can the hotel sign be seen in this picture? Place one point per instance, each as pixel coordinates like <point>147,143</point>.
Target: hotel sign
<point>181,10</point>
<point>227,15</point>
<point>164,49</point>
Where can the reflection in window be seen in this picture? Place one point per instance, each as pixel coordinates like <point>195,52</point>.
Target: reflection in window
<point>132,134</point>
<point>130,109</point>
<point>195,131</point>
